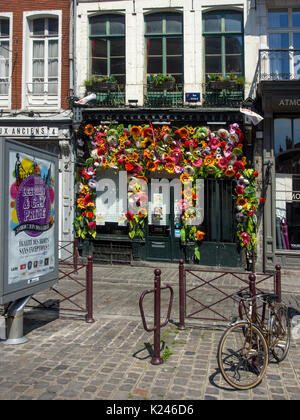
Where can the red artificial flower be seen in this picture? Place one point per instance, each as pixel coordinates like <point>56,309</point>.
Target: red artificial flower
<point>238,165</point>
<point>92,225</point>
<point>129,216</point>
<point>239,190</point>
<point>262,200</point>
<point>255,174</point>
<point>129,166</point>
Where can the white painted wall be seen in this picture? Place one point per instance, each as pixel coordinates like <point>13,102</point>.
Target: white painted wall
<point>193,52</point>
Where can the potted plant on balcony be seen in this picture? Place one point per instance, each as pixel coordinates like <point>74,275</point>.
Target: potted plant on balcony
<point>161,81</point>
<point>220,82</point>
<point>101,83</point>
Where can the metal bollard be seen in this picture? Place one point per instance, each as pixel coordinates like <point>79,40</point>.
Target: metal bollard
<point>14,321</point>
<point>89,290</point>
<point>278,283</point>
<point>181,296</point>
<point>252,289</point>
<point>156,359</point>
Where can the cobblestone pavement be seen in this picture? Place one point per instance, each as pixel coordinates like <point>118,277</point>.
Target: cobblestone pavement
<point>66,358</point>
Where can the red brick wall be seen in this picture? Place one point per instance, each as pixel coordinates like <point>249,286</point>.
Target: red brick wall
<point>17,7</point>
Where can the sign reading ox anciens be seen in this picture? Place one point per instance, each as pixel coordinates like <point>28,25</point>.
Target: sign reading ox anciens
<point>37,131</point>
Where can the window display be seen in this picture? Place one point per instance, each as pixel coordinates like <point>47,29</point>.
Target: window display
<point>287,154</point>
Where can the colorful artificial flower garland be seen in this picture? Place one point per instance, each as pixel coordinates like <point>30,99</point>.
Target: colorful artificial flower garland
<point>190,152</point>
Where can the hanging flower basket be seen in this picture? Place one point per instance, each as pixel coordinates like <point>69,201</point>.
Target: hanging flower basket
<point>167,85</point>
<point>98,84</point>
<point>221,84</point>
<point>160,82</point>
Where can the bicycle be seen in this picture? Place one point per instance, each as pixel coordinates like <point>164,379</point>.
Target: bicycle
<point>247,345</point>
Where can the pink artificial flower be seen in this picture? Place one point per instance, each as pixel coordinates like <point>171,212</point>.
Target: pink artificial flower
<point>183,205</point>
<point>214,143</point>
<point>223,163</point>
<point>197,163</point>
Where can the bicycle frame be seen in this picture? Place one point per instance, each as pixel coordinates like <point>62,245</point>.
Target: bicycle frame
<point>258,320</point>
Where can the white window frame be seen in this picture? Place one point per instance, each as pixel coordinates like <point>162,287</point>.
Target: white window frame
<point>44,100</point>
<point>290,30</point>
<point>5,100</point>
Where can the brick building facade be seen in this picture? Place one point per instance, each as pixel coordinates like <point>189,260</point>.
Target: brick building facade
<point>35,83</point>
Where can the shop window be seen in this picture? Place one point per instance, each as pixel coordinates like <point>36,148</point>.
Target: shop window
<point>223,42</point>
<point>107,46</point>
<point>287,156</point>
<point>284,34</point>
<point>4,60</point>
<point>164,44</point>
<point>43,61</point>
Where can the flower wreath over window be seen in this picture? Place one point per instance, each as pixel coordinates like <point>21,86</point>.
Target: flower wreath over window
<point>190,152</point>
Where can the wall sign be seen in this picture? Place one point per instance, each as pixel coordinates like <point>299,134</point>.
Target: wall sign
<point>28,131</point>
<point>296,195</point>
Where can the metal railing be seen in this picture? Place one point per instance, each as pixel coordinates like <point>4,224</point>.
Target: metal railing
<point>169,97</point>
<point>231,98</point>
<point>42,88</point>
<point>279,64</point>
<point>209,294</point>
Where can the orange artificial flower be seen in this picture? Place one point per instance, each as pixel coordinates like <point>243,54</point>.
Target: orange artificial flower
<point>170,167</point>
<point>241,201</point>
<point>151,166</point>
<point>135,131</point>
<point>183,132</point>
<point>200,235</point>
<point>89,130</point>
<point>230,172</point>
<point>147,153</point>
<point>142,212</point>
<point>185,178</point>
<point>209,160</point>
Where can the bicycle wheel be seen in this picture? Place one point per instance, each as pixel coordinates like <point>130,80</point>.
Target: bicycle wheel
<point>280,336</point>
<point>243,355</point>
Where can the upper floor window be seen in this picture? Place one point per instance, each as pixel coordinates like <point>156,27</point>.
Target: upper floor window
<point>223,42</point>
<point>107,46</point>
<point>164,44</point>
<point>42,58</point>
<point>284,34</point>
<point>44,39</point>
<point>4,56</point>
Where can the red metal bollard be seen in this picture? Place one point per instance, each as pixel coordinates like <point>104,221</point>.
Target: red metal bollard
<point>252,289</point>
<point>89,290</point>
<point>181,325</point>
<point>278,283</point>
<point>156,359</point>
<point>75,254</point>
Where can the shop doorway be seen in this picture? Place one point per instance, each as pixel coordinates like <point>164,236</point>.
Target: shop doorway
<point>219,248</point>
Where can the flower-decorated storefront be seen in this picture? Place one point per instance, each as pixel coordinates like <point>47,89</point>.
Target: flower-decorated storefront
<point>161,192</point>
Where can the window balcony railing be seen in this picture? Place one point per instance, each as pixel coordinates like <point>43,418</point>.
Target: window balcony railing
<point>170,96</point>
<point>231,98</point>
<point>279,64</point>
<point>110,98</point>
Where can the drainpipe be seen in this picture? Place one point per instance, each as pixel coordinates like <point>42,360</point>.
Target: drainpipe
<point>14,321</point>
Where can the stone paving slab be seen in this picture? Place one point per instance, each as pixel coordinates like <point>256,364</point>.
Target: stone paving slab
<point>66,358</point>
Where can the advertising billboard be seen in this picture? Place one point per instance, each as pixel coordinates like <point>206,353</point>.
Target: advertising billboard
<point>29,220</point>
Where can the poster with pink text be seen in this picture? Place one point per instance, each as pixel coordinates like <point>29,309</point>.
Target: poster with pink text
<point>31,210</point>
